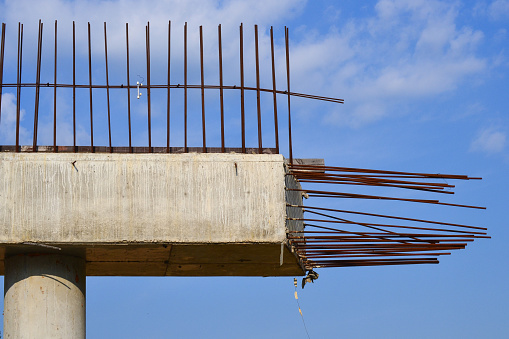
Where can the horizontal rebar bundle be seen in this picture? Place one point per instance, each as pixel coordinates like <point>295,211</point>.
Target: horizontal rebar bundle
<point>330,239</point>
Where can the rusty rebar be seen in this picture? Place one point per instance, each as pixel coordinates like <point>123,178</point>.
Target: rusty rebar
<point>18,82</point>
<point>185,87</point>
<point>168,91</point>
<point>2,51</point>
<point>90,82</point>
<point>74,85</point>
<point>242,114</point>
<point>107,84</point>
<point>287,45</point>
<point>221,100</point>
<point>274,94</point>
<point>258,108</point>
<point>147,40</point>
<point>55,94</point>
<point>37,86</point>
<point>202,92</point>
<point>128,87</point>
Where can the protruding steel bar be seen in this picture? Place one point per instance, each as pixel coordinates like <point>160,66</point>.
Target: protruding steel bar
<point>364,170</point>
<point>55,95</point>
<point>276,129</point>
<point>107,85</point>
<point>221,99</point>
<point>202,92</point>
<point>380,184</point>
<point>258,108</point>
<point>90,83</point>
<point>168,93</point>
<point>288,86</point>
<point>2,51</point>
<point>328,194</point>
<point>18,84</point>
<point>74,86</point>
<point>242,112</point>
<point>185,87</point>
<point>370,225</point>
<point>147,30</point>
<point>388,216</point>
<point>128,87</point>
<point>367,178</point>
<point>37,87</point>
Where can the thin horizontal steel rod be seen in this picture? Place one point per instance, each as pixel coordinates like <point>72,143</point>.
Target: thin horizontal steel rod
<point>364,170</point>
<point>417,188</point>
<point>388,216</point>
<point>340,220</point>
<point>165,86</point>
<point>363,177</point>
<point>328,194</point>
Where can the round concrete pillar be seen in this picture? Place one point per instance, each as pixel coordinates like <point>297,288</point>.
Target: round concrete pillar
<point>44,296</point>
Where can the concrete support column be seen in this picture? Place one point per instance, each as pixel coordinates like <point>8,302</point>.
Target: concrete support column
<point>44,296</point>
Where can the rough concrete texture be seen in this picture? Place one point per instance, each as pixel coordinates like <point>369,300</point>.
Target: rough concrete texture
<point>44,296</point>
<point>139,198</point>
<point>175,203</point>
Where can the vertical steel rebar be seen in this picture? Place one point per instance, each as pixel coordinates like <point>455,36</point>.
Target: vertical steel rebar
<point>128,87</point>
<point>242,112</point>
<point>74,86</point>
<point>202,92</point>
<point>258,108</point>
<point>276,129</point>
<point>107,85</point>
<point>55,95</point>
<point>37,87</point>
<point>90,86</point>
<point>147,30</point>
<point>185,87</point>
<point>2,51</point>
<point>18,81</point>
<point>168,95</point>
<point>221,99</point>
<point>287,44</point>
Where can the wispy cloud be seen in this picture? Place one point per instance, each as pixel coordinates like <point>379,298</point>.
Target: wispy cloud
<point>8,121</point>
<point>408,50</point>
<point>499,9</point>
<point>404,51</point>
<point>489,140</point>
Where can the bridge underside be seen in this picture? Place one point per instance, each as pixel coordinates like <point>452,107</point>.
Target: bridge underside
<point>175,259</point>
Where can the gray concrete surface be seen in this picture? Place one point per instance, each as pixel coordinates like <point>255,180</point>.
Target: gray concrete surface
<point>153,214</point>
<point>44,296</point>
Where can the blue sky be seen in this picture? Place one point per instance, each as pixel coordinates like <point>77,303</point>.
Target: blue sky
<point>423,83</point>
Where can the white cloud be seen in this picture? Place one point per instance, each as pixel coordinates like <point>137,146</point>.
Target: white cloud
<point>8,121</point>
<point>407,50</point>
<point>489,140</point>
<point>499,9</point>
